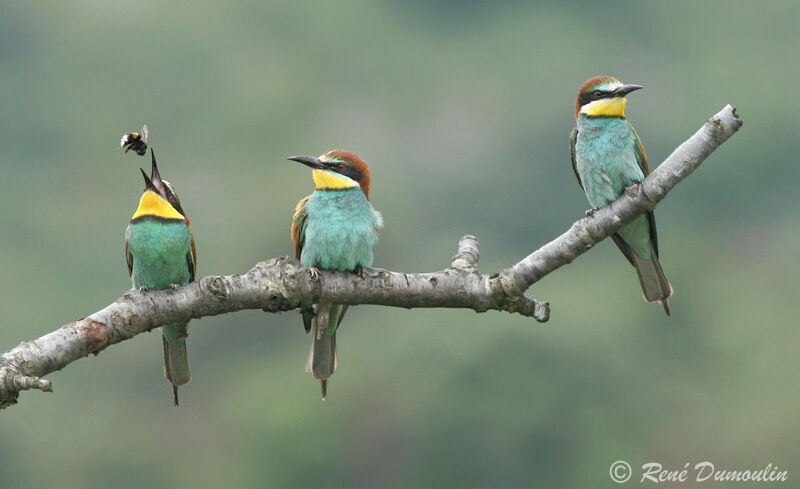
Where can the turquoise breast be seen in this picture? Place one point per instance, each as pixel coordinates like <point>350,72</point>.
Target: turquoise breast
<point>341,230</point>
<point>605,160</point>
<point>159,249</point>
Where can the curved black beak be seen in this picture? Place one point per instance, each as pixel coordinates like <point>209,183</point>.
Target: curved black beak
<point>309,161</point>
<point>626,89</point>
<point>155,177</point>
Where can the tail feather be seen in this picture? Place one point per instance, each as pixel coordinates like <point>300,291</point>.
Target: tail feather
<point>655,286</point>
<point>322,359</point>
<point>308,317</point>
<point>176,359</point>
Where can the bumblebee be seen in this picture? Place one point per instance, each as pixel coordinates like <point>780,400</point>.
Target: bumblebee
<point>136,141</point>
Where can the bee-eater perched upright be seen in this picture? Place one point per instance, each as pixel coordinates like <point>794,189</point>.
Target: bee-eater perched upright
<point>334,228</point>
<point>607,156</point>
<point>159,248</point>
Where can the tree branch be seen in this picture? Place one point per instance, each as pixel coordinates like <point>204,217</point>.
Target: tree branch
<point>283,284</point>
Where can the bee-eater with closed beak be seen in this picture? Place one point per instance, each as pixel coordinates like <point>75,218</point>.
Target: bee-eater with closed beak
<point>159,248</point>
<point>334,228</point>
<point>607,156</point>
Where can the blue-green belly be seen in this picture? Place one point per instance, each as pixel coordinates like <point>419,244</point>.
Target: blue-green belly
<point>605,160</point>
<point>341,230</point>
<point>159,250</point>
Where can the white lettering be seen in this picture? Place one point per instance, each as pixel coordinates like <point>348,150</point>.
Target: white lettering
<point>701,476</point>
<point>651,468</point>
<point>704,471</point>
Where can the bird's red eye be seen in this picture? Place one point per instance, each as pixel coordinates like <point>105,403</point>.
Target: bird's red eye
<point>340,167</point>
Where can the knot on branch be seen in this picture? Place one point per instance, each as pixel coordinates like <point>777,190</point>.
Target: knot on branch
<point>217,286</point>
<point>509,295</point>
<point>8,393</point>
<point>520,304</point>
<point>587,232</point>
<point>285,284</point>
<point>94,334</point>
<point>12,382</point>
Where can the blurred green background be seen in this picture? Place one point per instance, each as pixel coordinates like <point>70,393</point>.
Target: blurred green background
<point>463,111</point>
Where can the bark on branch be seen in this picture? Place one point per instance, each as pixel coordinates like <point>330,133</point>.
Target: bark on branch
<point>283,284</point>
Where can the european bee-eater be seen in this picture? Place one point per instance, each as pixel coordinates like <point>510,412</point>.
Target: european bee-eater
<point>159,248</point>
<point>607,156</point>
<point>334,228</point>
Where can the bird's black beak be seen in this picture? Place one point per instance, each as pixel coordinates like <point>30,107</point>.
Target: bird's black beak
<point>155,177</point>
<point>626,89</point>
<point>148,184</point>
<point>309,161</point>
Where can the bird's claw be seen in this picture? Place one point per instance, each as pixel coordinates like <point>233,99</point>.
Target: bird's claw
<point>591,211</point>
<point>144,288</point>
<point>175,286</point>
<point>361,272</point>
<point>633,188</point>
<point>313,272</point>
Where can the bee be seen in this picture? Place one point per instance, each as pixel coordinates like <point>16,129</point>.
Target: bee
<point>136,141</point>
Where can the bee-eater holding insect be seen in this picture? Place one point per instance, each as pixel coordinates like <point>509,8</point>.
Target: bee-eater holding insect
<point>159,248</point>
<point>334,228</point>
<point>607,156</point>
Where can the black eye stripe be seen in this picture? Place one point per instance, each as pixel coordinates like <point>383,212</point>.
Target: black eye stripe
<point>348,170</point>
<point>593,95</point>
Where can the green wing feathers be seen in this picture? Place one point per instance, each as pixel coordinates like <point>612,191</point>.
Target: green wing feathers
<point>641,156</point>
<point>191,259</point>
<point>299,226</point>
<point>573,138</point>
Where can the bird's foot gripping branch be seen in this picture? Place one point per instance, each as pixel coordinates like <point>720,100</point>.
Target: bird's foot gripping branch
<point>283,284</point>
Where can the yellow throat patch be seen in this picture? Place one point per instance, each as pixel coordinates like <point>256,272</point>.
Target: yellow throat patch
<point>608,107</point>
<point>152,204</point>
<point>326,179</point>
